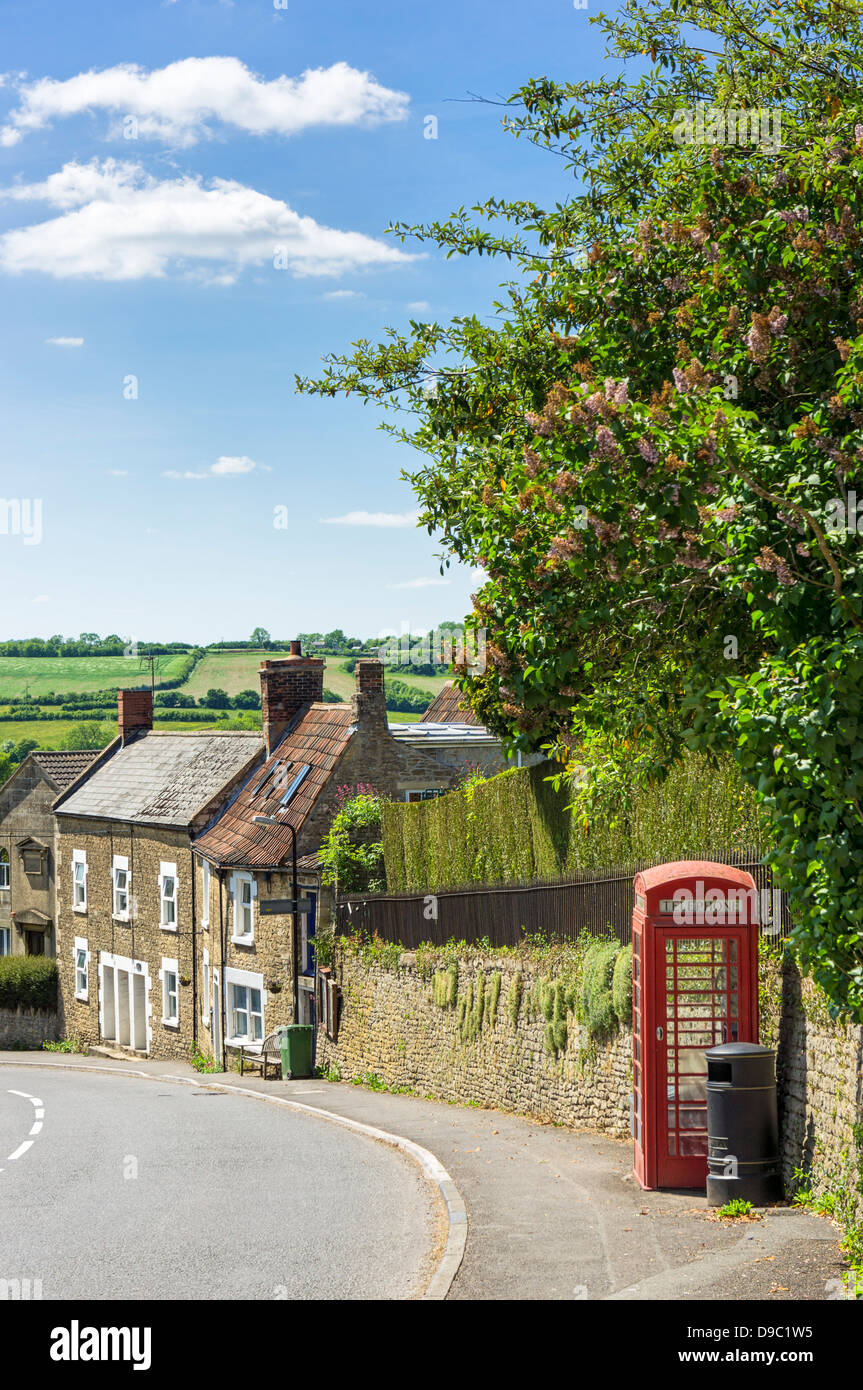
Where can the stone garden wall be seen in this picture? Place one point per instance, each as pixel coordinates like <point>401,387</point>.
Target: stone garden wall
<point>27,1028</point>
<point>392,1026</point>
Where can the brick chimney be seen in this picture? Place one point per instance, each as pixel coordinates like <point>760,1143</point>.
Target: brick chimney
<point>368,705</point>
<point>287,685</point>
<point>134,713</point>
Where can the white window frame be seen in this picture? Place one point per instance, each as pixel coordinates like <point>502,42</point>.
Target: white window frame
<point>4,868</point>
<point>5,941</point>
<point>205,893</point>
<point>170,967</point>
<point>206,997</point>
<point>238,881</point>
<point>250,980</point>
<point>168,871</point>
<point>82,947</point>
<point>423,793</point>
<point>79,856</point>
<point>120,866</point>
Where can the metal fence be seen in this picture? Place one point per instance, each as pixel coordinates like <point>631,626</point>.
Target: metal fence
<point>504,914</point>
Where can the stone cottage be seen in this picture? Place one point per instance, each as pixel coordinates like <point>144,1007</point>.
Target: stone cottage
<point>27,877</point>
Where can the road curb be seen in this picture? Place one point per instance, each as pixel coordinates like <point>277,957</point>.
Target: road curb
<point>457,1221</point>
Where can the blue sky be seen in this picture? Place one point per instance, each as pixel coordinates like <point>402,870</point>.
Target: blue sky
<point>300,128</point>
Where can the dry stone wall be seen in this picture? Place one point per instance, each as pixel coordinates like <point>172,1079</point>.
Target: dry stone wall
<point>392,1026</point>
<point>27,1028</point>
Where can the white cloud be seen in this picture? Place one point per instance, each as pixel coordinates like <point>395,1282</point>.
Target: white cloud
<point>372,519</point>
<point>344,294</point>
<point>420,584</point>
<point>42,598</point>
<point>418,306</point>
<point>120,223</point>
<point>182,102</point>
<point>227,466</point>
<point>118,472</point>
<point>66,342</point>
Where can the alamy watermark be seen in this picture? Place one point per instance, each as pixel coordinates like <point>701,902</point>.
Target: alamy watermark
<point>711,125</point>
<point>465,648</point>
<point>716,907</point>
<point>22,516</point>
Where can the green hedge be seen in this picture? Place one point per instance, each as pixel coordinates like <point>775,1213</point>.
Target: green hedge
<point>30,981</point>
<point>515,826</point>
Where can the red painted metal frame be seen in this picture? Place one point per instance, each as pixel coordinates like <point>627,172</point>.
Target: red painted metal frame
<point>651,887</point>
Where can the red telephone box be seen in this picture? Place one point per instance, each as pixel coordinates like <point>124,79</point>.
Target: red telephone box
<point>694,984</point>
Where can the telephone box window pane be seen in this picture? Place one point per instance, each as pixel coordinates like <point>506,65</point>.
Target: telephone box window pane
<point>694,1118</point>
<point>692,1088</point>
<point>671,1117</point>
<point>693,1146</point>
<point>693,1061</point>
<point>733,949</point>
<point>672,1145</point>
<point>671,1067</point>
<point>732,1006</point>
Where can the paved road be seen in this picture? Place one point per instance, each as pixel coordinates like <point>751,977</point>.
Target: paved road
<point>123,1188</point>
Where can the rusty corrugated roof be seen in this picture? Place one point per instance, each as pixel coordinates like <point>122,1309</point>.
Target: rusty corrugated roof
<point>447,708</point>
<point>316,742</point>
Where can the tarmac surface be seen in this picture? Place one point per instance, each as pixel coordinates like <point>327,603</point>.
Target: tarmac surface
<point>551,1213</point>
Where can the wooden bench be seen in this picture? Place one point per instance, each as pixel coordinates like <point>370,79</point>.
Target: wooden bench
<point>262,1055</point>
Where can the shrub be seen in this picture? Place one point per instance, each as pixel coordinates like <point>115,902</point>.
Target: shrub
<point>597,1003</point>
<point>621,986</point>
<point>28,981</point>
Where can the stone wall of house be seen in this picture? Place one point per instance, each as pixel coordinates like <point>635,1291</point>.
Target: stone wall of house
<point>25,812</point>
<point>27,1028</point>
<point>139,939</point>
<point>391,1025</point>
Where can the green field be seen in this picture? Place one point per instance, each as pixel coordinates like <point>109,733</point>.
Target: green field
<point>49,732</point>
<point>37,675</point>
<point>236,671</point>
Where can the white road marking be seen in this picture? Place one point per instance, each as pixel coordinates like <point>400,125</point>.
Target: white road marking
<point>38,1117</point>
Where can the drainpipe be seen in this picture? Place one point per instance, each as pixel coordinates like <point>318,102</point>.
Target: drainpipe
<point>194,950</point>
<point>295,964</point>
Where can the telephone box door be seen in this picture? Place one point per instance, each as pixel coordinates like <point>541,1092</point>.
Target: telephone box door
<point>702,998</point>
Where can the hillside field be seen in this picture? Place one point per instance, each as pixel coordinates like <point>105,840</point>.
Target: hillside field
<point>48,733</point>
<point>236,671</point>
<point>37,675</point>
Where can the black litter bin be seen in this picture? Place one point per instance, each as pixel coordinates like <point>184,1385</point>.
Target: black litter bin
<point>742,1125</point>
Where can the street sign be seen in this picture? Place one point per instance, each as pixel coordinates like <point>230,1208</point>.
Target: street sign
<point>272,907</point>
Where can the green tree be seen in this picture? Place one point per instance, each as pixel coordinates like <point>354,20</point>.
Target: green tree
<point>352,854</point>
<point>654,450</point>
<point>260,637</point>
<point>87,734</point>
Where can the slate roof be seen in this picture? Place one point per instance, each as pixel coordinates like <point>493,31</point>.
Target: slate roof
<point>61,767</point>
<point>446,708</point>
<point>163,778</point>
<point>316,740</point>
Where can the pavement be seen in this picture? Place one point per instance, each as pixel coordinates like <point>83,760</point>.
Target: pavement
<point>554,1213</point>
